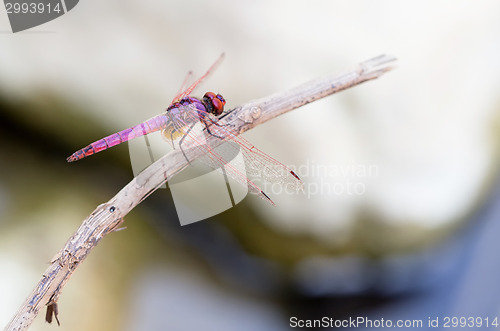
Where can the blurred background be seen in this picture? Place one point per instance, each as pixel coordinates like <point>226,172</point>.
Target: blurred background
<point>399,219</point>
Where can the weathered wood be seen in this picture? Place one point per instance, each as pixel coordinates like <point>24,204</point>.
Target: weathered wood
<point>109,216</point>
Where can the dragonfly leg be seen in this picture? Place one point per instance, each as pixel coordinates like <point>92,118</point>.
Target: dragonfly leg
<point>182,140</point>
<point>209,122</point>
<point>213,134</point>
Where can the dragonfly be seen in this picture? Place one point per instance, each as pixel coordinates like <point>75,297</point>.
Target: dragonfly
<point>176,124</point>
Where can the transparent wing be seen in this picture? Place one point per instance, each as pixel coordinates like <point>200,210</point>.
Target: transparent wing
<point>184,92</point>
<point>257,164</point>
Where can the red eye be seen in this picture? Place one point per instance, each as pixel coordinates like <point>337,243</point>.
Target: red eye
<point>218,106</point>
<point>217,102</point>
<point>210,95</point>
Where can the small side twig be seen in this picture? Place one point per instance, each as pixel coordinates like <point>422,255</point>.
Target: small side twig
<point>109,216</point>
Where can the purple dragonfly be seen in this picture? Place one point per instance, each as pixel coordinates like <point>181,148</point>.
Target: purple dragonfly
<point>175,123</point>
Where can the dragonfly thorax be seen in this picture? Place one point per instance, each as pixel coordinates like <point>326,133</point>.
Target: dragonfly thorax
<point>189,110</point>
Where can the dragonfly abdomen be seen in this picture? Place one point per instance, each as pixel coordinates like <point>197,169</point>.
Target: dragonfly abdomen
<point>153,124</point>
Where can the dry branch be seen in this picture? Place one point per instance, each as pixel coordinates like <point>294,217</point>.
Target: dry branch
<point>108,216</point>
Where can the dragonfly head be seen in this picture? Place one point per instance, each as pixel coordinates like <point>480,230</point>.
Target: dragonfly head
<point>214,103</point>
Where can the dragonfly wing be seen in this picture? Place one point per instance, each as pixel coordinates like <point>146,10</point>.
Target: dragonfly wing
<point>256,163</point>
<point>197,141</point>
<point>184,93</point>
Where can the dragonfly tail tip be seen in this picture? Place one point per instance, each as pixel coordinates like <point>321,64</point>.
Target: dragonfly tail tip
<point>294,175</point>
<point>265,196</point>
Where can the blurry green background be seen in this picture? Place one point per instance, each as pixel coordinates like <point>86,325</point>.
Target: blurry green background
<point>429,128</point>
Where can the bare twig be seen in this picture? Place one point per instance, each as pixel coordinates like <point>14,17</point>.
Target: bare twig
<point>109,216</point>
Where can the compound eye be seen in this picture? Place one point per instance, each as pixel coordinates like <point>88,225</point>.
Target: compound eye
<point>218,96</point>
<point>217,102</point>
<point>210,95</point>
<point>218,106</point>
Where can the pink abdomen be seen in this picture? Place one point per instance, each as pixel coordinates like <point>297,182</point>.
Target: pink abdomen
<point>153,124</point>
